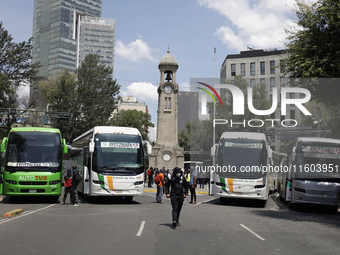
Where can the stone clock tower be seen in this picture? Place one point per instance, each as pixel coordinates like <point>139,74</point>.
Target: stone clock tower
<point>166,152</point>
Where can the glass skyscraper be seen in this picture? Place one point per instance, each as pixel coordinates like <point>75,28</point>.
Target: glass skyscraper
<point>55,24</point>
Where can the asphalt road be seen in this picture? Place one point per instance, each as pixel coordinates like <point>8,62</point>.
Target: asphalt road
<point>112,226</point>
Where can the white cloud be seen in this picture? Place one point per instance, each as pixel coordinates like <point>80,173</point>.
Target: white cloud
<point>135,50</point>
<point>259,24</point>
<point>144,91</point>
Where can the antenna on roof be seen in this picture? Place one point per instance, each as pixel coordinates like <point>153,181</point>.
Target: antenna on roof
<point>250,48</point>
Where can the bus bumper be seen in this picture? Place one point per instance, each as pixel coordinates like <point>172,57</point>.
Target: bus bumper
<point>316,192</point>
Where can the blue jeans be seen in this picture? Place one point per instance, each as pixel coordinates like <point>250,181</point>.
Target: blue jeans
<point>159,194</point>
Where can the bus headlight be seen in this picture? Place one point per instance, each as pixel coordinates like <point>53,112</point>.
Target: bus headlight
<point>138,183</point>
<point>300,190</point>
<point>54,182</point>
<point>10,182</point>
<point>98,182</point>
<point>220,184</point>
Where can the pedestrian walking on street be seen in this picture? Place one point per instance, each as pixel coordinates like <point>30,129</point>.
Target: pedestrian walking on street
<point>67,180</point>
<point>159,180</point>
<point>187,178</point>
<point>76,179</point>
<point>192,185</point>
<point>176,190</point>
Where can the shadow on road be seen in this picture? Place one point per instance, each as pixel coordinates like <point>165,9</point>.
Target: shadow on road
<point>31,200</point>
<point>106,200</point>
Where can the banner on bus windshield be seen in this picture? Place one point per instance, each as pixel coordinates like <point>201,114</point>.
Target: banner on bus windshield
<point>119,145</point>
<point>244,145</point>
<point>319,149</point>
<point>28,164</point>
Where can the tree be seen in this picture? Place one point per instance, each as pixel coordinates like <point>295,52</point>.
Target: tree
<point>314,47</point>
<point>90,95</point>
<point>16,69</point>
<point>134,118</point>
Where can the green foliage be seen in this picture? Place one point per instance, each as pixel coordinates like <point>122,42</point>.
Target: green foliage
<point>134,118</point>
<point>90,95</point>
<point>15,69</point>
<point>314,47</point>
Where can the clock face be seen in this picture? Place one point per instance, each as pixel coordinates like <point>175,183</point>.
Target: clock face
<point>166,156</point>
<point>168,89</point>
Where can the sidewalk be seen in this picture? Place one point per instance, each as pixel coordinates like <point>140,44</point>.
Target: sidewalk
<point>198,190</point>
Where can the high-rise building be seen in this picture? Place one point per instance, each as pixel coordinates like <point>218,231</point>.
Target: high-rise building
<point>55,32</point>
<point>96,36</point>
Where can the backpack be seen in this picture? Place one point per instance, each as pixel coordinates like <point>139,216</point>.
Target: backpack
<point>166,178</point>
<point>157,179</point>
<point>77,178</point>
<point>149,172</point>
<point>68,178</point>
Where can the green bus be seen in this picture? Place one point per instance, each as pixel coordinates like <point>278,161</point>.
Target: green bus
<point>32,162</point>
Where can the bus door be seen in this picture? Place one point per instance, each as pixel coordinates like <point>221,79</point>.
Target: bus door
<point>87,168</point>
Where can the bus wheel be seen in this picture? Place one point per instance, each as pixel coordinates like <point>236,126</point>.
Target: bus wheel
<point>128,199</point>
<point>223,199</point>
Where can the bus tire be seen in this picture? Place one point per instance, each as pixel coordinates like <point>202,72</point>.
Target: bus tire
<point>129,199</point>
<point>223,199</point>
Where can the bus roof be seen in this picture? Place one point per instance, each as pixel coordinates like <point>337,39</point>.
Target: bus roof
<point>289,147</point>
<point>244,135</point>
<point>35,129</point>
<point>111,129</point>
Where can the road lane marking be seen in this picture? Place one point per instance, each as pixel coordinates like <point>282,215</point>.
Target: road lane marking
<point>206,201</point>
<point>141,228</point>
<point>25,214</point>
<point>251,231</point>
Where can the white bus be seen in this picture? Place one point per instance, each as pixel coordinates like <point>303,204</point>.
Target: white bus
<point>241,167</point>
<point>312,175</point>
<point>111,161</point>
<point>278,161</point>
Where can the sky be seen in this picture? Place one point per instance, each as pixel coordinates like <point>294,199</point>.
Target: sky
<point>191,29</point>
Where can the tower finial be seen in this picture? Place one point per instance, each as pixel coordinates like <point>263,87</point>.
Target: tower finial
<point>168,49</point>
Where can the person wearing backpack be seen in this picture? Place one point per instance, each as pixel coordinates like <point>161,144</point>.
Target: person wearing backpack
<point>76,179</point>
<point>67,179</point>
<point>150,173</point>
<point>159,180</point>
<point>176,190</point>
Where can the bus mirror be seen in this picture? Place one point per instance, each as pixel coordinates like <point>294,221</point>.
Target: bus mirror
<point>3,145</point>
<point>270,153</point>
<point>148,147</point>
<point>91,147</point>
<point>213,150</point>
<point>65,149</point>
<point>293,154</point>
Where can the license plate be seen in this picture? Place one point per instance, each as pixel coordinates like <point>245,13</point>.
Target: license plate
<point>32,191</point>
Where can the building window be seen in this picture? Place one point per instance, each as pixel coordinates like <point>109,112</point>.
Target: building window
<point>252,69</point>
<point>292,96</point>
<point>282,81</point>
<point>272,83</point>
<point>272,67</point>
<point>167,104</point>
<point>292,114</point>
<point>252,83</point>
<point>243,69</point>
<point>233,69</point>
<point>262,81</point>
<point>271,98</point>
<point>263,68</point>
<point>282,68</point>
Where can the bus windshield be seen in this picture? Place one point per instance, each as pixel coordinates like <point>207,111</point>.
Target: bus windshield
<point>118,153</point>
<point>323,158</point>
<point>34,151</point>
<point>241,158</point>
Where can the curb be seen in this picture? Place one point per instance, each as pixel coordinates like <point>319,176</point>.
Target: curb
<point>13,213</point>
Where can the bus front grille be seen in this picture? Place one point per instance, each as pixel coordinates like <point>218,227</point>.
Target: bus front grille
<point>32,183</point>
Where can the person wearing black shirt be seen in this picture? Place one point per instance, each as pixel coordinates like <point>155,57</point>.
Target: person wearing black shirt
<point>177,188</point>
